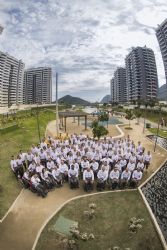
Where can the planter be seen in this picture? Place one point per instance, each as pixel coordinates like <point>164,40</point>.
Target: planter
<point>148,125</point>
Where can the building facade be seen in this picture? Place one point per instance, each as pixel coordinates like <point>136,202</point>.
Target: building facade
<point>161,34</point>
<point>38,85</point>
<point>11,80</point>
<point>1,29</point>
<point>141,74</point>
<point>118,86</point>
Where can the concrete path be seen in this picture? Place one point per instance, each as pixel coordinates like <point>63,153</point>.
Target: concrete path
<point>20,228</point>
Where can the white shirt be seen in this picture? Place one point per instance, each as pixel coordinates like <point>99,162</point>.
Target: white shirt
<point>56,173</point>
<point>26,176</point>
<point>125,175</point>
<point>63,168</point>
<point>35,181</point>
<point>123,162</point>
<point>50,165</point>
<point>32,167</point>
<point>103,175</point>
<point>133,158</point>
<point>95,166</point>
<point>84,164</point>
<point>88,175</point>
<point>76,166</point>
<point>29,157</point>
<point>114,174</point>
<point>45,175</point>
<point>13,164</point>
<point>147,157</point>
<point>23,156</point>
<point>72,173</point>
<point>53,155</point>
<point>131,166</point>
<point>42,155</point>
<point>140,165</point>
<point>19,162</point>
<point>137,175</point>
<point>39,168</point>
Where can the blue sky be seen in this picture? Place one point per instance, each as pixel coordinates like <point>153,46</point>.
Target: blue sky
<point>84,41</point>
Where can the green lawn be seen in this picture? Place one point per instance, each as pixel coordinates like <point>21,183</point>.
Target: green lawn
<point>161,132</point>
<point>11,143</point>
<point>110,226</point>
<point>154,116</point>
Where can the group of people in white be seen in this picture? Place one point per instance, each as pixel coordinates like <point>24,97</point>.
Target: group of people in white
<point>113,162</point>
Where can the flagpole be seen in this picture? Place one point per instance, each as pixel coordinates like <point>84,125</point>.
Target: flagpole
<point>57,113</point>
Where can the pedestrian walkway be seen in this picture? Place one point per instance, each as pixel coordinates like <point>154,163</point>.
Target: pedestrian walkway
<point>19,229</point>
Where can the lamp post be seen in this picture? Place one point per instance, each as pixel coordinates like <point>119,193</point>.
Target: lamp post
<point>157,129</point>
<point>144,118</point>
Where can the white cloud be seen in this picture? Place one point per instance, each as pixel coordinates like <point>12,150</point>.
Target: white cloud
<point>84,40</point>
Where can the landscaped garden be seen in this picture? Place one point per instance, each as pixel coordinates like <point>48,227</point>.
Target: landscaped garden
<point>112,224</point>
<point>161,132</point>
<point>10,144</point>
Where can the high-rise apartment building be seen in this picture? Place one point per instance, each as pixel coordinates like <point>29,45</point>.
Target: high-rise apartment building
<point>38,85</point>
<point>1,29</point>
<point>118,86</point>
<point>141,74</point>
<point>161,33</point>
<point>11,80</point>
<point>112,89</point>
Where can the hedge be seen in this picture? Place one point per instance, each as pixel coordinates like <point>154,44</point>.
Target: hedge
<point>8,129</point>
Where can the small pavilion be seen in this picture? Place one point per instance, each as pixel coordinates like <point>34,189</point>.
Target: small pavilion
<point>64,115</point>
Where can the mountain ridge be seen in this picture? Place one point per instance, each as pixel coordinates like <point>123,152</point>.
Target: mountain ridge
<point>72,100</point>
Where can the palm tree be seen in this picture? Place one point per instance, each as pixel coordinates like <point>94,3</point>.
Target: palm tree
<point>138,114</point>
<point>129,115</point>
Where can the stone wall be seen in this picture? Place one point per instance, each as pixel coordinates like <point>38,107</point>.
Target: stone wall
<point>155,191</point>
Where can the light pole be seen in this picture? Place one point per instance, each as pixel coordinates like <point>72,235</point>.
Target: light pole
<point>144,117</point>
<point>57,112</point>
<point>157,129</point>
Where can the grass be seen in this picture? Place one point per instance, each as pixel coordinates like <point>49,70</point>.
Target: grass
<point>11,143</point>
<point>162,133</point>
<point>154,116</point>
<point>110,227</point>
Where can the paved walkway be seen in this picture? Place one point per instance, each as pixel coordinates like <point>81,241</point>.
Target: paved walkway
<point>72,127</point>
<point>19,229</point>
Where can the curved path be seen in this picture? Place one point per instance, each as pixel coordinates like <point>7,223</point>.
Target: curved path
<point>20,227</point>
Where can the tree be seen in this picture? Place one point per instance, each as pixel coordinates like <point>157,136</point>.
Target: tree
<point>138,114</point>
<point>104,117</point>
<point>98,130</point>
<point>129,115</point>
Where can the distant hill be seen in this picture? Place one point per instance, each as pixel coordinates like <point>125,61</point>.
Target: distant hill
<point>106,99</point>
<point>68,99</point>
<point>162,93</point>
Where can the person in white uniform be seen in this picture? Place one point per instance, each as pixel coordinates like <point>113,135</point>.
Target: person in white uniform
<point>73,177</point>
<point>136,177</point>
<point>88,178</point>
<point>125,177</point>
<point>102,176</point>
<point>114,178</point>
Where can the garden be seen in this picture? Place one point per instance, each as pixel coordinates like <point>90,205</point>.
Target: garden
<point>116,220</point>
